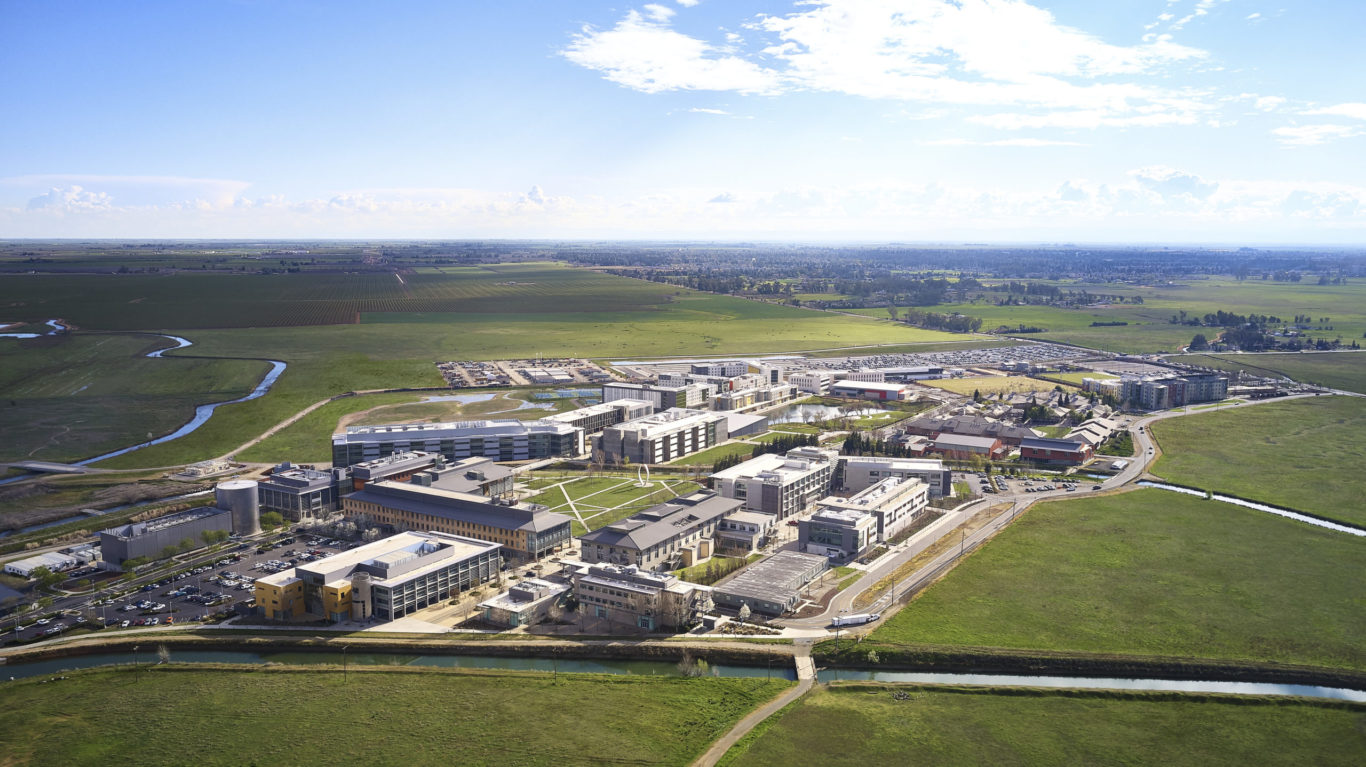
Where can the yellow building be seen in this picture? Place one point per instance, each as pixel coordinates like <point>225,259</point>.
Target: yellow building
<point>280,596</point>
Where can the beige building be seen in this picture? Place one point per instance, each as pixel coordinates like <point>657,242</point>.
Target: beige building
<point>631,596</point>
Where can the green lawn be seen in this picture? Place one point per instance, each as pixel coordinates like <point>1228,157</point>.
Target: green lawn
<point>378,717</point>
<point>1151,572</point>
<point>1305,454</point>
<point>713,454</point>
<point>860,725</point>
<point>603,500</point>
<point>1338,370</point>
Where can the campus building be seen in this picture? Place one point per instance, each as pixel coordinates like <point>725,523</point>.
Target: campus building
<point>148,539</point>
<point>723,368</point>
<point>397,467</point>
<point>1160,393</point>
<point>962,448</point>
<point>870,390</point>
<point>812,381</point>
<point>968,426</point>
<point>645,600</point>
<point>499,440</point>
<point>744,532</point>
<point>779,485</point>
<point>858,473</point>
<point>528,601</point>
<point>661,437</point>
<point>524,530</point>
<point>771,586</point>
<point>761,396</point>
<point>840,534</point>
<point>678,533</point>
<point>895,505</point>
<point>1057,451</point>
<point>300,494</point>
<point>384,580</point>
<point>660,397</point>
<point>595,418</point>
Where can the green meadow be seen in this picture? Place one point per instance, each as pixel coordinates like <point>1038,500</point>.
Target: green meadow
<point>1337,370</point>
<point>859,725</point>
<point>1304,454</point>
<point>1150,572</point>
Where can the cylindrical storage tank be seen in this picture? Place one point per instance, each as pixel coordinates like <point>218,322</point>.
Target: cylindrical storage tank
<point>360,596</point>
<point>240,497</point>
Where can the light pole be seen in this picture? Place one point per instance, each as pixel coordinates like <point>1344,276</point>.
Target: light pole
<point>345,647</point>
<point>137,671</point>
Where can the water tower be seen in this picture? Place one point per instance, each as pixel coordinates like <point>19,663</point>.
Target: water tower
<point>241,498</point>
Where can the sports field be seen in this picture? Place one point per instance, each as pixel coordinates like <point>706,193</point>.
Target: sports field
<point>1151,572</point>
<point>1337,370</point>
<point>593,502</point>
<point>991,385</point>
<point>860,725</point>
<point>176,716</point>
<point>1305,454</point>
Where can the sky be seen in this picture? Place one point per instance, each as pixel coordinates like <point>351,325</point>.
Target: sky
<point>1183,121</point>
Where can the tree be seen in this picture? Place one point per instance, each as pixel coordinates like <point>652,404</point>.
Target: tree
<point>45,577</point>
<point>271,520</point>
<point>744,612</point>
<point>1199,343</point>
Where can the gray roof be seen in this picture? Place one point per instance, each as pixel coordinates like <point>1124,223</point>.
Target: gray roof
<point>776,579</point>
<point>463,507</point>
<point>1044,443</point>
<point>971,426</point>
<point>659,523</point>
<point>950,440</point>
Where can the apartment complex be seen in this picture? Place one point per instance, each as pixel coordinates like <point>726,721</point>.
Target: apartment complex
<point>499,440</point>
<point>384,580</point>
<point>1161,392</point>
<point>779,485</point>
<point>661,437</point>
<point>524,530</point>
<point>675,534</point>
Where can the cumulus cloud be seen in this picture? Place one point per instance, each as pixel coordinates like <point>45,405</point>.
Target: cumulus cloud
<point>688,3</point>
<point>953,52</point>
<point>1268,103</point>
<point>1313,135</point>
<point>1172,182</point>
<point>644,54</point>
<point>724,197</point>
<point>72,198</point>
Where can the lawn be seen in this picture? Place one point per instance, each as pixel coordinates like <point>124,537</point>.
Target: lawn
<point>713,454</point>
<point>1151,572</point>
<point>379,717</point>
<point>69,397</point>
<point>859,725</point>
<point>600,501</point>
<point>1304,454</point>
<point>1338,370</point>
<point>1076,378</point>
<point>989,385</point>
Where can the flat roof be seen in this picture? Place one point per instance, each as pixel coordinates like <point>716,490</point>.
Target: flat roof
<point>1043,443</point>
<point>395,549</point>
<point>777,579</point>
<point>452,504</point>
<point>868,385</point>
<point>960,439</point>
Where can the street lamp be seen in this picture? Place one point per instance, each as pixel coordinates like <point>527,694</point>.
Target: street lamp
<point>137,671</point>
<point>345,647</point>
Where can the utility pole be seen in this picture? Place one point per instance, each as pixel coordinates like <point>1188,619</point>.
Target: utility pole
<point>137,671</point>
<point>345,647</point>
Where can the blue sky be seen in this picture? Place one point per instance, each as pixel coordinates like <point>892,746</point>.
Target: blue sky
<point>1237,121</point>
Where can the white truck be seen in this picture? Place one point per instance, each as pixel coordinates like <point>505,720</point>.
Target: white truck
<point>857,619</point>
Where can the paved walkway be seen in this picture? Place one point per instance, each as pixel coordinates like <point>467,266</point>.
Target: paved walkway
<point>806,677</point>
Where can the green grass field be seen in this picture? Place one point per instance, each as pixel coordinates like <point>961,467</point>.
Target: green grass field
<point>1150,572</point>
<point>1338,370</point>
<point>70,397</point>
<point>234,717</point>
<point>711,455</point>
<point>594,502</point>
<point>989,385</point>
<point>1149,329</point>
<point>1304,454</point>
<point>859,725</point>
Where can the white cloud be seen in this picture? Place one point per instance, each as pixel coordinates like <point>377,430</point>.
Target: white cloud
<point>71,198</point>
<point>1023,142</point>
<point>1253,17</point>
<point>708,111</point>
<point>657,12</point>
<point>1312,135</point>
<point>1170,182</point>
<point>688,3</point>
<point>1356,110</point>
<point>647,56</point>
<point>1268,103</point>
<point>966,52</point>
<point>724,197</point>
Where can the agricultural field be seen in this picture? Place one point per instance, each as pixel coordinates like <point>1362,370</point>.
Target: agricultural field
<point>1337,370</point>
<point>68,397</point>
<point>991,385</point>
<point>570,311</point>
<point>858,725</point>
<point>175,716</point>
<point>1149,329</point>
<point>595,502</point>
<point>1150,572</point>
<point>1304,454</point>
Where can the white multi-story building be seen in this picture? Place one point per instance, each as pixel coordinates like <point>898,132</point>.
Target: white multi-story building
<point>661,397</point>
<point>812,381</point>
<point>779,485</point>
<point>896,503</point>
<point>860,472</point>
<point>661,437</point>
